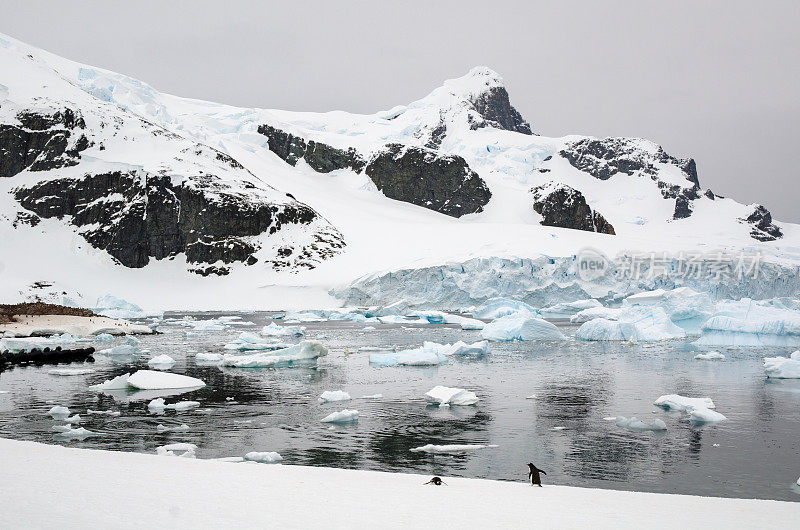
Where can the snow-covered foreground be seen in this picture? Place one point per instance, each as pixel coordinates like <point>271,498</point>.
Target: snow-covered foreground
<point>48,486</point>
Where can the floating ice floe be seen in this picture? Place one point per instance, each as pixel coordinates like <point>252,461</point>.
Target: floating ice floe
<point>343,416</point>
<point>104,337</point>
<point>748,323</point>
<point>568,309</point>
<point>439,317</point>
<point>162,362</point>
<point>783,367</point>
<point>372,396</point>
<point>251,342</point>
<point>398,319</point>
<point>58,412</point>
<point>150,380</point>
<point>500,307</point>
<point>274,330</point>
<point>180,428</point>
<point>268,457</point>
<point>521,326</point>
<point>632,324</point>
<point>704,415</point>
<point>304,351</point>
<point>445,396</point>
<point>111,413</point>
<point>69,433</point>
<point>122,351</point>
<point>334,395</point>
<point>66,372</point>
<point>710,356</point>
<point>635,424</point>
<point>454,448</point>
<point>429,354</point>
<point>184,450</point>
<point>682,403</point>
<point>304,316</point>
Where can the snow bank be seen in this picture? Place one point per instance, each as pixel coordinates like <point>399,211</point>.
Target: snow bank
<point>269,457</point>
<point>632,324</point>
<point>306,350</point>
<point>455,448</point>
<point>710,356</point>
<point>343,416</point>
<point>274,330</point>
<point>748,323</point>
<point>291,490</point>
<point>783,367</point>
<point>635,424</point>
<point>521,326</point>
<point>442,395</point>
<point>334,395</point>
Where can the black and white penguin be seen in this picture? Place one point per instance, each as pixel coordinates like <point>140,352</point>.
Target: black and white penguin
<point>533,475</point>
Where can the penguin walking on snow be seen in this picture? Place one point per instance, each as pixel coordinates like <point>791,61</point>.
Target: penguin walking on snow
<point>436,481</point>
<point>533,475</point>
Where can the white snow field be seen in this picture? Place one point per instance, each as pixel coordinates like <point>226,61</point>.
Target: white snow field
<point>394,250</point>
<point>218,494</point>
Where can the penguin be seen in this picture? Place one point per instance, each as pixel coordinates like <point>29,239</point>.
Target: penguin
<point>436,481</point>
<point>533,475</point>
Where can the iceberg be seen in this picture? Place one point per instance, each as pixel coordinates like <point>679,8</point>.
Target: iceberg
<point>568,309</point>
<point>635,424</point>
<point>304,316</point>
<point>500,307</point>
<point>429,354</point>
<point>455,448</point>
<point>306,350</point>
<point>343,416</point>
<point>783,367</point>
<point>59,412</point>
<point>113,307</point>
<point>442,395</point>
<point>521,326</point>
<point>585,315</point>
<point>69,433</point>
<point>274,330</point>
<point>269,457</point>
<point>632,324</point>
<point>104,337</point>
<point>334,395</point>
<point>710,356</point>
<point>748,323</point>
<point>439,317</point>
<point>682,403</point>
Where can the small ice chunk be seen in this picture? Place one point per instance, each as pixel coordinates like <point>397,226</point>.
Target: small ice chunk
<point>268,457</point>
<point>58,412</point>
<point>112,413</point>
<point>163,428</point>
<point>704,415</point>
<point>343,416</point>
<point>104,337</point>
<point>532,396</point>
<point>274,330</point>
<point>186,450</point>
<point>153,380</point>
<point>783,367</point>
<point>73,419</point>
<point>75,434</point>
<point>710,356</point>
<point>373,396</point>
<point>635,424</point>
<point>183,405</point>
<point>454,448</point>
<point>334,395</point>
<point>157,404</point>
<point>452,396</point>
<point>70,371</point>
<point>682,403</point>
<point>162,362</point>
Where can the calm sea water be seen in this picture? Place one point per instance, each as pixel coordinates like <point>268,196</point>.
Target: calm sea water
<point>756,453</point>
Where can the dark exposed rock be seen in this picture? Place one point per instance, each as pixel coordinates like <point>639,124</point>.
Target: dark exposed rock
<point>137,216</point>
<point>495,107</point>
<point>24,218</point>
<point>763,227</point>
<point>710,194</point>
<point>420,176</point>
<point>606,157</point>
<point>566,207</point>
<point>321,157</point>
<point>43,142</point>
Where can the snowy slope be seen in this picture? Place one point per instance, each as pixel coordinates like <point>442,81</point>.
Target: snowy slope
<point>128,490</point>
<point>467,117</point>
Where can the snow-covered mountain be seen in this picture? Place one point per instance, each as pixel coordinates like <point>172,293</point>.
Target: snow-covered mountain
<point>107,185</point>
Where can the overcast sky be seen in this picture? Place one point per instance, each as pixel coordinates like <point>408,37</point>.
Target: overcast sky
<point>718,81</point>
